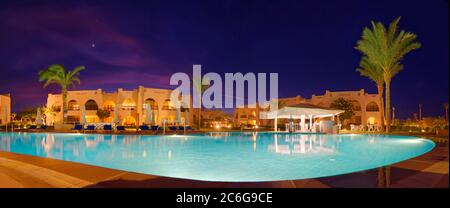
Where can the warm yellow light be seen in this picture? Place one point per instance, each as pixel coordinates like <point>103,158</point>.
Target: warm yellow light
<point>217,126</point>
<point>256,127</point>
<point>371,120</point>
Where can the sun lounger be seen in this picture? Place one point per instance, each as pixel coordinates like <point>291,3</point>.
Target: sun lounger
<point>155,128</point>
<point>181,128</point>
<point>78,127</point>
<point>120,128</point>
<point>33,127</point>
<point>90,128</point>
<point>189,128</point>
<point>172,128</point>
<point>107,128</point>
<point>144,128</point>
<point>42,128</point>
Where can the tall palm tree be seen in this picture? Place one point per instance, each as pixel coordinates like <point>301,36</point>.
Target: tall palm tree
<point>386,47</point>
<point>57,74</point>
<point>376,74</point>
<point>446,111</point>
<point>201,88</point>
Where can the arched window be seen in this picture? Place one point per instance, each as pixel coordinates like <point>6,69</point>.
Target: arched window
<point>73,105</point>
<point>128,104</point>
<point>166,105</point>
<point>109,105</point>
<point>152,103</point>
<point>372,107</point>
<point>91,105</point>
<point>356,105</point>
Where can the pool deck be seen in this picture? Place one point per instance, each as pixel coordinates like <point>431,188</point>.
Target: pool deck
<point>17,170</point>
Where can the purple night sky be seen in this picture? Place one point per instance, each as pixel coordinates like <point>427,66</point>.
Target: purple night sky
<point>310,44</point>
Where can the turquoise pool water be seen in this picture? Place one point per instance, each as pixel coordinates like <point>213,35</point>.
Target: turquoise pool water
<point>223,156</point>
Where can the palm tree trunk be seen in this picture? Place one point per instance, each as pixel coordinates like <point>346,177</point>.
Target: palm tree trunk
<point>381,178</point>
<point>388,106</point>
<point>65,107</point>
<point>380,97</point>
<point>446,112</point>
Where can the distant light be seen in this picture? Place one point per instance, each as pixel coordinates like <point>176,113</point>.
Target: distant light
<point>217,126</point>
<point>256,127</point>
<point>93,45</point>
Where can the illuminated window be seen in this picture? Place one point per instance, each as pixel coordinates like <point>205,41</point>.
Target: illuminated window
<point>92,119</point>
<point>166,105</point>
<point>56,109</point>
<point>73,105</point>
<point>73,119</point>
<point>129,104</point>
<point>371,120</point>
<point>129,121</point>
<point>109,105</point>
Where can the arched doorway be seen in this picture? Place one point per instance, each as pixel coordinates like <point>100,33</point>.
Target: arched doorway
<point>91,105</point>
<point>129,121</point>
<point>372,120</point>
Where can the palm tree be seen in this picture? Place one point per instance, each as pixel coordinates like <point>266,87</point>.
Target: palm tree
<point>446,111</point>
<point>374,73</point>
<point>201,88</point>
<point>57,74</point>
<point>385,48</point>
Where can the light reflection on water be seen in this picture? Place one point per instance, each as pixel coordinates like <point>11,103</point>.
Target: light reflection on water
<point>246,156</point>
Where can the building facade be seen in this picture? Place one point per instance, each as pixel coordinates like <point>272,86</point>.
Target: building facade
<point>366,106</point>
<point>366,109</point>
<point>249,116</point>
<point>131,106</point>
<point>5,109</point>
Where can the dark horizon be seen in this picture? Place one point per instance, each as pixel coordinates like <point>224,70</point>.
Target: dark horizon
<point>124,45</point>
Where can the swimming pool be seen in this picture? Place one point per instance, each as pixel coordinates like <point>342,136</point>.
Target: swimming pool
<point>224,156</point>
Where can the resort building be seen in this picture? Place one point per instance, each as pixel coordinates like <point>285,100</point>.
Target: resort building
<point>366,107</point>
<point>214,118</point>
<point>249,116</point>
<point>5,109</point>
<point>130,104</point>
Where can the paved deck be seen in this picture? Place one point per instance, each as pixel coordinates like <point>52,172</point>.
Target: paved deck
<point>17,170</point>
